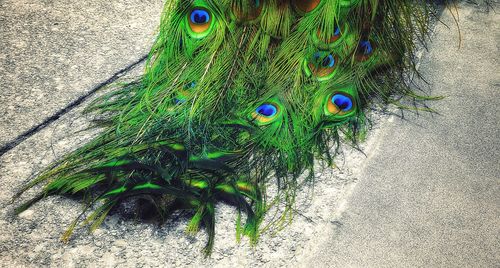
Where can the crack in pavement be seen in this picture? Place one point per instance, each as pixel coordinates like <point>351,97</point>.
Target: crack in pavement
<point>37,128</point>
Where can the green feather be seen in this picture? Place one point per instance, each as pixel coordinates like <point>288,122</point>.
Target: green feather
<point>236,93</point>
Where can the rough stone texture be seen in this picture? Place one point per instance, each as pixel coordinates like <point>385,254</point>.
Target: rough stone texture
<point>426,194</point>
<point>32,238</point>
<point>52,52</point>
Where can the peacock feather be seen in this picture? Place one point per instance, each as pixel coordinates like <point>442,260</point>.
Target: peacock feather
<point>238,94</point>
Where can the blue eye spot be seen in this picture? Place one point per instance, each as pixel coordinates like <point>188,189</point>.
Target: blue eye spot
<point>328,61</point>
<point>343,102</point>
<point>200,16</point>
<point>267,110</point>
<point>190,85</point>
<point>366,47</point>
<point>257,3</point>
<point>179,101</point>
<point>337,31</point>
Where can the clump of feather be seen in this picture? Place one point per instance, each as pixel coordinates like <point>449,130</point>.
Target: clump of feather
<point>237,92</point>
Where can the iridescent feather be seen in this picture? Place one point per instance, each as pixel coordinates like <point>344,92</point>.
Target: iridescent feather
<point>236,93</point>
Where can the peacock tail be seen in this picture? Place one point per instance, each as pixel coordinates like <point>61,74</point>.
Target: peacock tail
<point>238,94</point>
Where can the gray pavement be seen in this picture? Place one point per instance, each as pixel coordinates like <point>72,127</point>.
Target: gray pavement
<point>427,194</point>
<point>53,52</point>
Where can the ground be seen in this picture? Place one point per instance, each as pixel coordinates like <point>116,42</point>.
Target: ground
<point>425,192</point>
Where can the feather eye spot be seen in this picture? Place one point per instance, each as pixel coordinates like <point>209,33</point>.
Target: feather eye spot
<point>337,34</point>
<point>190,85</point>
<point>179,101</point>
<point>248,13</point>
<point>340,104</point>
<point>328,61</point>
<point>336,31</point>
<point>200,21</point>
<point>365,50</point>
<point>200,16</point>
<point>343,102</point>
<point>266,113</point>
<point>366,47</point>
<point>184,93</point>
<point>322,65</point>
<point>327,39</point>
<point>306,6</point>
<point>267,110</point>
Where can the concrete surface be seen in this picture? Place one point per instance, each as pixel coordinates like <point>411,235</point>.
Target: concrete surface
<point>52,52</point>
<point>32,239</point>
<point>427,194</point>
<point>430,193</point>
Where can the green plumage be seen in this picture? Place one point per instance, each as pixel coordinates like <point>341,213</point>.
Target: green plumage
<point>236,93</point>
